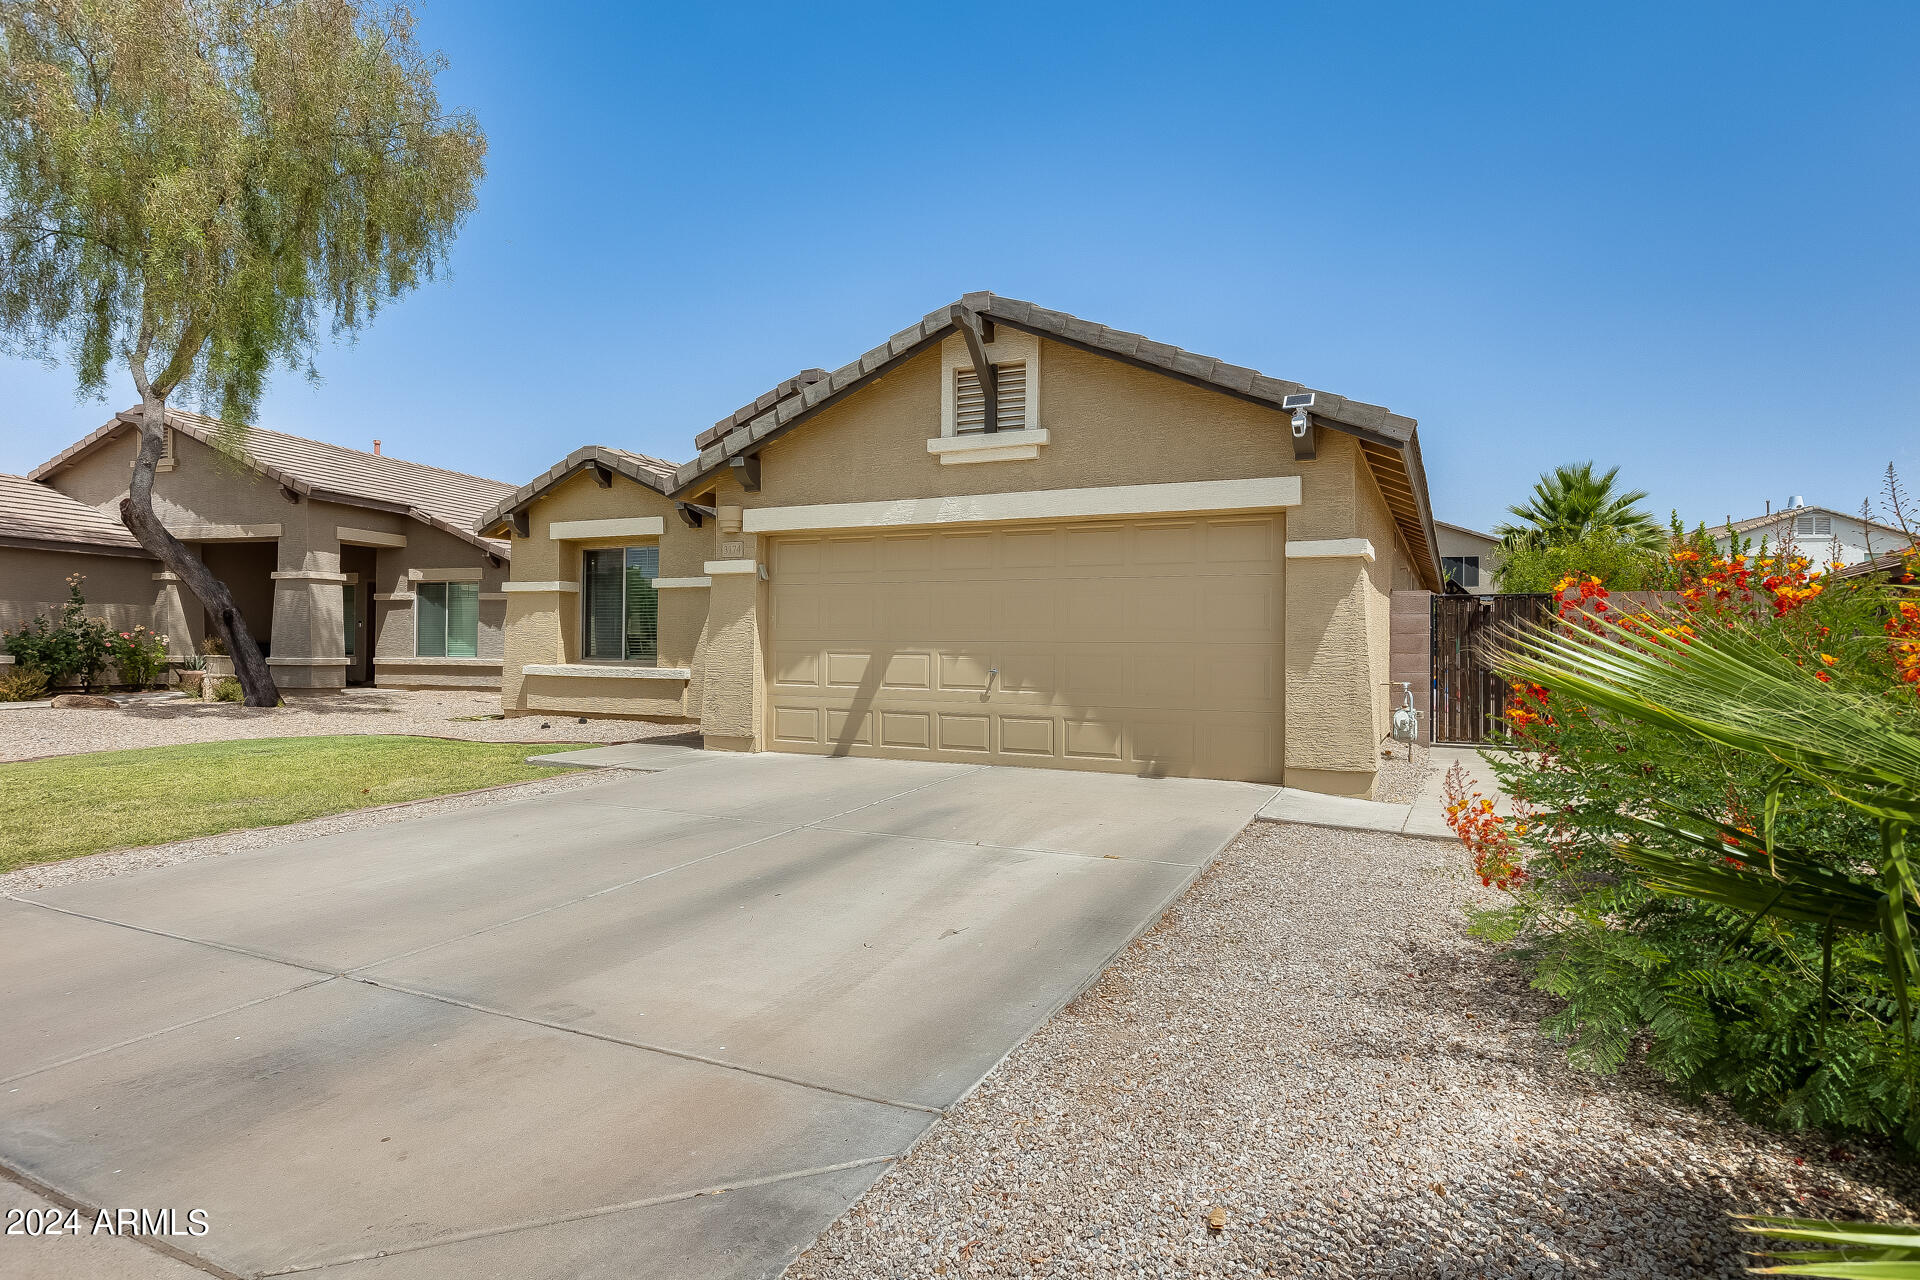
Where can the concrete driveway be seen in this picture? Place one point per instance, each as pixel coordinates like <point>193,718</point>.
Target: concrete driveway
<point>670,1025</point>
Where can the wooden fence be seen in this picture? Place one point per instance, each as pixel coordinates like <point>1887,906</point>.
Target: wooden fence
<point>1469,700</point>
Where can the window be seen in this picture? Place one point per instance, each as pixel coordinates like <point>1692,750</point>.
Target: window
<point>1464,570</point>
<point>620,611</point>
<point>447,621</point>
<point>970,403</point>
<point>1812,525</point>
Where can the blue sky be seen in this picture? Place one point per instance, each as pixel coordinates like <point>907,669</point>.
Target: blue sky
<point>1684,238</point>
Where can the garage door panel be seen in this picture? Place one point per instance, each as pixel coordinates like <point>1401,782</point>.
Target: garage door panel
<point>1094,739</point>
<point>1026,735</point>
<point>968,733</point>
<point>793,666</point>
<point>1135,646</point>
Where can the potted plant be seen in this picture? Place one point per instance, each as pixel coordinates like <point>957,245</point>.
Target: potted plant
<point>219,664</point>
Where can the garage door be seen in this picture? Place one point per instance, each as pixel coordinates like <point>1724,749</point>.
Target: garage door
<point>1148,646</point>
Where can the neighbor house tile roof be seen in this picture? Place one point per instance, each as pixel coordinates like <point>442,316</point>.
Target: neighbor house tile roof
<point>451,501</point>
<point>1787,513</point>
<point>654,473</point>
<point>1388,441</point>
<point>33,514</point>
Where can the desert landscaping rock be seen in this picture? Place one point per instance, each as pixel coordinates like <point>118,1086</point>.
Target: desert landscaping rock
<point>83,702</point>
<point>40,731</point>
<point>1309,1048</point>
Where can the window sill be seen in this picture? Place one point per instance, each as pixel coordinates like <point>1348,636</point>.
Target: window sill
<point>979,446</point>
<point>608,672</point>
<point>436,662</point>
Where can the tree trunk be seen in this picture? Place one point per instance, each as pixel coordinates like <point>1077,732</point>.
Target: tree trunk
<point>136,512</point>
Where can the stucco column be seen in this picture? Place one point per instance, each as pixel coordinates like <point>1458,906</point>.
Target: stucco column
<point>543,624</point>
<point>309,612</point>
<point>170,616</point>
<point>1330,743</point>
<point>733,678</point>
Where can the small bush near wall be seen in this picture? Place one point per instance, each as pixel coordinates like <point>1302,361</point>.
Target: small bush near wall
<point>228,690</point>
<point>140,654</point>
<point>68,647</point>
<point>18,684</point>
<point>1794,1022</point>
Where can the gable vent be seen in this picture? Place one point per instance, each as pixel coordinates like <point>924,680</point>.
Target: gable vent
<point>970,404</point>
<point>1813,526</point>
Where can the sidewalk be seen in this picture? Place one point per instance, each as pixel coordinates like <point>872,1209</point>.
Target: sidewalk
<point>1425,817</point>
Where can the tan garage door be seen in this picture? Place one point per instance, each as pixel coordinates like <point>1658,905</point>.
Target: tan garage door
<point>1147,646</point>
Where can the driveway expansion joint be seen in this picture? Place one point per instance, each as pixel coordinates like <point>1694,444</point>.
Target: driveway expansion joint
<point>580,1215</point>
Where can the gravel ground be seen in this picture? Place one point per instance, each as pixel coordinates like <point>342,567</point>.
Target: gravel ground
<point>100,865</point>
<point>42,731</point>
<point>1310,1044</point>
<point>1400,779</point>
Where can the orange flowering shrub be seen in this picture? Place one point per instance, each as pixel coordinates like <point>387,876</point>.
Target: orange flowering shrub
<point>1491,838</point>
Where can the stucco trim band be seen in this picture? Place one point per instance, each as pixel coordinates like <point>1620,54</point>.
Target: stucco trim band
<point>303,575</point>
<point>167,576</point>
<point>394,596</point>
<point>226,532</point>
<point>671,584</point>
<point>1001,446</point>
<point>616,673</point>
<point>368,537</point>
<point>1258,494</point>
<point>309,662</point>
<point>539,586</point>
<point>720,568</point>
<point>1330,549</point>
<point>630,527</point>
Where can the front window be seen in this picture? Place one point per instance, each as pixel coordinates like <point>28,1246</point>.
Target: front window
<point>449,620</point>
<point>1463,570</point>
<point>622,612</point>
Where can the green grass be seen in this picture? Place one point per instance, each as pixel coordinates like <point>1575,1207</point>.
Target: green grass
<point>72,805</point>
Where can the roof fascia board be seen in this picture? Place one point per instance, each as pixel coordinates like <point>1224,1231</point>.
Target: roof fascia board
<point>78,546</point>
<point>760,439</point>
<point>561,472</point>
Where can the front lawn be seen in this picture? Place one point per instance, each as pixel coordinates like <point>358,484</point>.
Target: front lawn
<point>72,805</point>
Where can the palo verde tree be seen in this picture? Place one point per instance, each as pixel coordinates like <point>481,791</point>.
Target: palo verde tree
<point>194,190</point>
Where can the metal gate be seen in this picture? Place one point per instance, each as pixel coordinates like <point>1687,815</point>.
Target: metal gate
<point>1469,700</point>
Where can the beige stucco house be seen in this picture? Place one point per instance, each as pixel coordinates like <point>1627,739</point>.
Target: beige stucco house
<point>1469,558</point>
<point>350,567</point>
<point>1135,562</point>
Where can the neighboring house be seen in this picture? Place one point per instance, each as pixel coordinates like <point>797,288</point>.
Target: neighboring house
<point>349,567</point>
<point>1143,569</point>
<point>1821,534</point>
<point>1468,558</point>
<point>47,537</point>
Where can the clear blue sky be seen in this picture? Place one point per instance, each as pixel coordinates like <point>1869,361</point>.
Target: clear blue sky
<point>1680,237</point>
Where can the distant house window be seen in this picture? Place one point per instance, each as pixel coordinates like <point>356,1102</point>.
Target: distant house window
<point>621,612</point>
<point>970,402</point>
<point>1812,525</point>
<point>447,622</point>
<point>1462,570</point>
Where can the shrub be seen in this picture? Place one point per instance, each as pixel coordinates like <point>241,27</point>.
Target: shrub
<point>228,690</point>
<point>22,684</point>
<point>1794,1022</point>
<point>67,647</point>
<point>140,654</point>
<point>1621,562</point>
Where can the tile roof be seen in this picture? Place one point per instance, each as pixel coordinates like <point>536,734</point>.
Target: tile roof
<point>1786,513</point>
<point>448,500</point>
<point>654,473</point>
<point>33,513</point>
<point>1388,440</point>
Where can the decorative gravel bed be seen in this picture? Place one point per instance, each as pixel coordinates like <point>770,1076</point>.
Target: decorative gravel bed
<point>97,866</point>
<point>1310,1047</point>
<point>1400,779</point>
<point>27,733</point>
